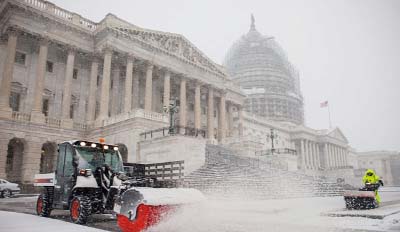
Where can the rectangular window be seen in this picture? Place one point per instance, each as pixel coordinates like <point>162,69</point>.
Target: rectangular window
<point>122,72</point>
<point>14,101</point>
<point>49,66</point>
<point>71,111</point>
<point>45,107</point>
<point>97,109</point>
<point>98,80</point>
<point>20,58</point>
<point>75,74</point>
<point>203,110</point>
<point>68,167</point>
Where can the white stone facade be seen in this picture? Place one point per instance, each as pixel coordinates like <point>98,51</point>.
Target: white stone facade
<point>65,77</point>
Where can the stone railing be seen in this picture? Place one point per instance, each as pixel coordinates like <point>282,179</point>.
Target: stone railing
<point>80,126</point>
<point>19,116</point>
<point>177,130</point>
<point>277,151</point>
<point>136,113</point>
<point>61,13</point>
<point>53,122</point>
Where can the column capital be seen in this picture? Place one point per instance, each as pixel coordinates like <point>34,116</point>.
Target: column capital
<point>130,57</point>
<point>13,31</point>
<point>148,64</point>
<point>107,49</point>
<point>198,83</point>
<point>71,49</point>
<point>44,40</point>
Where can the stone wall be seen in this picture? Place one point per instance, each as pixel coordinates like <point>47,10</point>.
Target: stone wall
<point>173,148</point>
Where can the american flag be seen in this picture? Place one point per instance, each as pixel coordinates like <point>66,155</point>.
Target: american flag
<point>323,104</point>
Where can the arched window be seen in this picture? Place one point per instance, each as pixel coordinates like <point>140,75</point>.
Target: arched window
<point>48,157</point>
<point>15,153</point>
<point>123,150</point>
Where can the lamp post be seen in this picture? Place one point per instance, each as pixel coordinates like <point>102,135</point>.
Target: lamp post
<point>272,136</point>
<point>172,108</point>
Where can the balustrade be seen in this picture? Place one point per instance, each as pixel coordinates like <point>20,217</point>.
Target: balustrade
<point>19,116</point>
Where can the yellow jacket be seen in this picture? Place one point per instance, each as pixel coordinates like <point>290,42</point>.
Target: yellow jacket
<point>373,179</point>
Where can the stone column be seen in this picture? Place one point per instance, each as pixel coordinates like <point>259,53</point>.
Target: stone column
<point>339,161</point>
<point>135,95</point>
<point>105,85</point>
<point>3,156</point>
<point>332,151</point>
<point>167,88</point>
<point>222,117</point>
<point>148,102</point>
<point>331,156</point>
<point>128,84</point>
<point>230,120</point>
<point>309,155</point>
<point>37,116</point>
<point>345,154</point>
<point>182,106</point>
<point>31,159</point>
<point>318,156</point>
<point>337,156</point>
<point>197,106</point>
<point>303,156</point>
<point>240,123</point>
<point>94,71</point>
<point>210,113</point>
<point>66,121</point>
<point>342,156</point>
<point>326,155</point>
<point>311,150</point>
<point>315,162</point>
<point>8,70</point>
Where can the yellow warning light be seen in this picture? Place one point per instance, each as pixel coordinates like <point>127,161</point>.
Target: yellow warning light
<point>102,140</point>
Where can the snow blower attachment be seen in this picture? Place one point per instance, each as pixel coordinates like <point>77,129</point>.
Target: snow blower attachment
<point>364,198</point>
<point>139,208</point>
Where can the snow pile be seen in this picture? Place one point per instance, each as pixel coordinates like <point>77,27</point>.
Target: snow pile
<point>170,196</point>
<point>300,214</point>
<point>18,222</point>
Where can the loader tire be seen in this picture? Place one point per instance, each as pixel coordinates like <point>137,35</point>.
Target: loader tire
<point>43,207</point>
<point>80,209</point>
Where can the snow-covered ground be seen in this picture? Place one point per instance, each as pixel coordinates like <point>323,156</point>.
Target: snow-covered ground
<point>305,214</point>
<point>19,222</point>
<point>230,215</point>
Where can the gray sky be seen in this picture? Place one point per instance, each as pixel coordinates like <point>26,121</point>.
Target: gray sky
<point>347,51</point>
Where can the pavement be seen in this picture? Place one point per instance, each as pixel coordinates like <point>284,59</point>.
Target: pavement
<point>27,205</point>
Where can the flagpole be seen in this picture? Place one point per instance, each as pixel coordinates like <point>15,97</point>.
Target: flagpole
<point>329,115</point>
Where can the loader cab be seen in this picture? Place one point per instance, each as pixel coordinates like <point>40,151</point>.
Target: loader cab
<point>77,161</point>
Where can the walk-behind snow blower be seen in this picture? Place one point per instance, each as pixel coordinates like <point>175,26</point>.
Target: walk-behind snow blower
<point>364,198</point>
<point>89,178</point>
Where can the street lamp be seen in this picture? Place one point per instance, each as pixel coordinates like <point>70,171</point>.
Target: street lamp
<point>172,108</point>
<point>272,136</point>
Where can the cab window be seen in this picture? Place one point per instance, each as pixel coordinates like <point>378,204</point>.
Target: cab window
<point>68,168</point>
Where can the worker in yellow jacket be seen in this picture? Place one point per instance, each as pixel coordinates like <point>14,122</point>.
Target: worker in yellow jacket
<point>372,178</point>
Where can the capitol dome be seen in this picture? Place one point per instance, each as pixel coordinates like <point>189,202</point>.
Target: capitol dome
<point>259,65</point>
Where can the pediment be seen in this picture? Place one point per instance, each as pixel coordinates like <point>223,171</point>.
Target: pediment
<point>174,44</point>
<point>337,134</point>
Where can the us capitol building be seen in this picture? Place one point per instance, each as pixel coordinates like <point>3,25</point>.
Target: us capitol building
<point>65,77</point>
